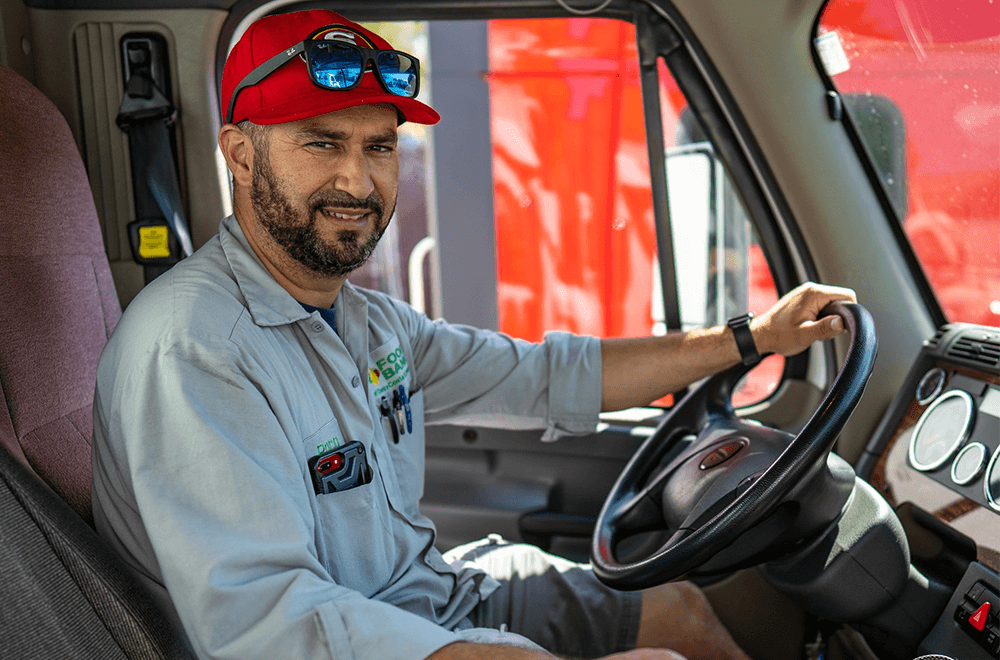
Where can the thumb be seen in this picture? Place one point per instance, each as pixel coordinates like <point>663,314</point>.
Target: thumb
<point>825,328</point>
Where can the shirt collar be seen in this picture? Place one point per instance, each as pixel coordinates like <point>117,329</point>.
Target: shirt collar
<point>269,303</point>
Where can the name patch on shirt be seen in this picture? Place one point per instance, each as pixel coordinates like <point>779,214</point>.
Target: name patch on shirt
<point>326,439</point>
<point>387,368</point>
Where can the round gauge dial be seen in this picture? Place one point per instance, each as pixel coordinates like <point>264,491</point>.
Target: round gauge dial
<point>969,463</point>
<point>992,486</point>
<point>941,430</point>
<point>930,385</point>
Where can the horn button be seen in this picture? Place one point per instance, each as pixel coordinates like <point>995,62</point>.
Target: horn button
<point>723,453</point>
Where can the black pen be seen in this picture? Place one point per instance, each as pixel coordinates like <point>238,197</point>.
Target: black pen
<point>397,407</point>
<point>383,407</point>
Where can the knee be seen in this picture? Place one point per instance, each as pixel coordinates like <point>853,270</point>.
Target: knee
<point>693,600</point>
<point>678,610</point>
<point>678,616</point>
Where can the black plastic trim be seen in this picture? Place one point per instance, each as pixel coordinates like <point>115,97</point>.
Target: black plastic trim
<point>653,41</point>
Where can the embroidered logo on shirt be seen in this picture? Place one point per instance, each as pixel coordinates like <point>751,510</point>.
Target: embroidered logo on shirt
<point>390,367</point>
<point>324,439</point>
<point>329,445</point>
<point>373,376</point>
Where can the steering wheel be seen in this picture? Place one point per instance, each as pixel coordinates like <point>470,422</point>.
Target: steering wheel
<point>727,493</point>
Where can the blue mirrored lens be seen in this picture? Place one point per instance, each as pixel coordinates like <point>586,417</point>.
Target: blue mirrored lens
<point>335,66</point>
<point>399,73</point>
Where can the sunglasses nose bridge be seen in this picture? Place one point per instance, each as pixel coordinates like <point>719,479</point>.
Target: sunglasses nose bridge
<point>368,60</point>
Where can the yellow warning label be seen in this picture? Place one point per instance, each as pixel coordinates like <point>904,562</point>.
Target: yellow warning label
<point>154,242</point>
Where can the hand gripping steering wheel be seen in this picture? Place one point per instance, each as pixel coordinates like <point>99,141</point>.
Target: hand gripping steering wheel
<point>727,493</point>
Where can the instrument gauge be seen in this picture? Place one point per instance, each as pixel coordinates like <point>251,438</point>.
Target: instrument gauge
<point>969,463</point>
<point>992,485</point>
<point>930,385</point>
<point>941,430</point>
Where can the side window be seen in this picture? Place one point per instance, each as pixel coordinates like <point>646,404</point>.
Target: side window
<point>921,85</point>
<point>720,265</point>
<point>575,242</point>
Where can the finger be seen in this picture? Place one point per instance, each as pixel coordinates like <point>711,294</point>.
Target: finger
<point>825,298</point>
<point>835,293</point>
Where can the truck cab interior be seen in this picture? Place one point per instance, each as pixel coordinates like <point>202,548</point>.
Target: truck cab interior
<point>612,168</point>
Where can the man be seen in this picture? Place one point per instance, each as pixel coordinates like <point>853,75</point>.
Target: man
<point>258,443</point>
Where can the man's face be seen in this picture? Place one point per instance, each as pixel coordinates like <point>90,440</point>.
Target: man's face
<point>325,188</point>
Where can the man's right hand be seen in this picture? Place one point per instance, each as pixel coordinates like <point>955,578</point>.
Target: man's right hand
<point>465,651</point>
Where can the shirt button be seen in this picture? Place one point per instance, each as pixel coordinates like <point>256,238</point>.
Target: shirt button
<point>317,326</point>
<point>355,381</point>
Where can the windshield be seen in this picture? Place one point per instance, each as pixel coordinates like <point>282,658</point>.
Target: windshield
<point>920,81</point>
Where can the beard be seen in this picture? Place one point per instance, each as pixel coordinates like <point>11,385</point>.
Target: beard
<point>294,228</point>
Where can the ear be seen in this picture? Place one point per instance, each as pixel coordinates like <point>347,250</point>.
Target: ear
<point>237,148</point>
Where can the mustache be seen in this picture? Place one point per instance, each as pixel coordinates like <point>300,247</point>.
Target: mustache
<point>373,203</point>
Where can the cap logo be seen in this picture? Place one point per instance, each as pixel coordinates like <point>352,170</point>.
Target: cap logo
<point>346,35</point>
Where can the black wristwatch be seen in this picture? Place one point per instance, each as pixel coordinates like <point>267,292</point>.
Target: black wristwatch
<point>744,338</point>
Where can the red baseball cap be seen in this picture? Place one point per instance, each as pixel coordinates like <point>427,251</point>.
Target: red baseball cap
<point>288,94</point>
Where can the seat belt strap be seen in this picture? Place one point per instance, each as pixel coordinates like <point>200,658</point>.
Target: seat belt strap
<point>159,236</point>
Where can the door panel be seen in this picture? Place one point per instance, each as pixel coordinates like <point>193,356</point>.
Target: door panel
<point>482,481</point>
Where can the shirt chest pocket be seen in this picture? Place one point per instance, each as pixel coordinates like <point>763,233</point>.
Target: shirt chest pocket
<point>401,414</point>
<point>353,540</point>
<point>408,457</point>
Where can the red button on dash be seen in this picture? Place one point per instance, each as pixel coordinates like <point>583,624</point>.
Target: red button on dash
<point>978,618</point>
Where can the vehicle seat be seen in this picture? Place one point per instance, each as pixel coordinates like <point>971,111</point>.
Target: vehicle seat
<point>65,594</point>
<point>57,299</point>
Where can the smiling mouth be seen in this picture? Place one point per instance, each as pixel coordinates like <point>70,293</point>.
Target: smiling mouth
<point>354,216</point>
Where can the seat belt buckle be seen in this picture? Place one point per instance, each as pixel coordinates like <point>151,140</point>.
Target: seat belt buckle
<point>153,242</point>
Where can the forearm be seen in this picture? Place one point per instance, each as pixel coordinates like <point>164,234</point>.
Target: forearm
<point>637,371</point>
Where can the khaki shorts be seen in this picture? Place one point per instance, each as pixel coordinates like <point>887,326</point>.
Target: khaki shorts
<point>554,602</point>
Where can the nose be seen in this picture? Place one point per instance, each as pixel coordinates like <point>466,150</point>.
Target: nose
<point>353,175</point>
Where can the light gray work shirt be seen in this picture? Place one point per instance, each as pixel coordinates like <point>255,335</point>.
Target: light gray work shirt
<point>214,392</point>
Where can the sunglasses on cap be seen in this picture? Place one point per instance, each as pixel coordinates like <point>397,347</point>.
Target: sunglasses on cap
<point>339,66</point>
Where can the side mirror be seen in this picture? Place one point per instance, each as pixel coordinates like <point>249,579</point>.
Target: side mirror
<point>711,236</point>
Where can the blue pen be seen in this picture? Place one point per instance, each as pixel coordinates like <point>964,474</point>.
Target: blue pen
<point>406,406</point>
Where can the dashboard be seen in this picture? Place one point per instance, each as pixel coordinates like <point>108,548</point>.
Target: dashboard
<point>936,458</point>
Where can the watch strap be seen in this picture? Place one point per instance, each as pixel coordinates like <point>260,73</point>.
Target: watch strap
<point>744,338</point>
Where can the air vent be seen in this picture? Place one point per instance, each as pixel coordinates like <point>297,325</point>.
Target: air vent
<point>935,340</point>
<point>984,349</point>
